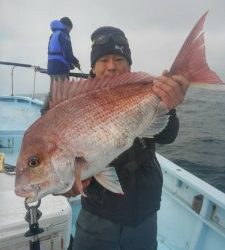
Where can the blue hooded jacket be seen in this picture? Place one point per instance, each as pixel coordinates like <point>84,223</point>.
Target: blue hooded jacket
<point>60,53</point>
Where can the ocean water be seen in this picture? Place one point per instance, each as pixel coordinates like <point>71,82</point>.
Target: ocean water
<point>200,145</point>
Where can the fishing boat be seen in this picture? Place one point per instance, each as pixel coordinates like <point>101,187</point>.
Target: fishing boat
<point>192,214</point>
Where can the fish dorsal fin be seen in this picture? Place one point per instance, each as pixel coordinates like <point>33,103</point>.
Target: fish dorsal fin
<point>191,61</point>
<point>62,89</point>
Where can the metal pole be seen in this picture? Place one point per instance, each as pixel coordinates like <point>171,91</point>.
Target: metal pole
<point>12,86</point>
<point>35,71</point>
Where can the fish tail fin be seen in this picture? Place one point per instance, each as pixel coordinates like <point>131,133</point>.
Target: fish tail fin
<point>191,60</point>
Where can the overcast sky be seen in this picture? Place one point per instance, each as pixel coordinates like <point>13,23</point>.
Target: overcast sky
<point>155,29</point>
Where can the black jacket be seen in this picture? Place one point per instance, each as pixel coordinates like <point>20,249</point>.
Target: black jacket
<point>140,177</point>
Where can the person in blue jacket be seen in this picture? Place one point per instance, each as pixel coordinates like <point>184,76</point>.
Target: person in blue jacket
<point>60,53</point>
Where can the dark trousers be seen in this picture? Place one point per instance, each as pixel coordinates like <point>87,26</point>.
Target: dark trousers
<point>96,233</point>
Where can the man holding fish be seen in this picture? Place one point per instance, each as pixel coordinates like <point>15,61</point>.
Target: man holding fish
<point>98,139</point>
<point>109,220</point>
<point>112,221</point>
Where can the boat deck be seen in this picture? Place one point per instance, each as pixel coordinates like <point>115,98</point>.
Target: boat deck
<point>17,113</point>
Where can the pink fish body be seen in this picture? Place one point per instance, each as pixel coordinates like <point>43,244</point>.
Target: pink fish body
<point>91,122</point>
<point>96,126</point>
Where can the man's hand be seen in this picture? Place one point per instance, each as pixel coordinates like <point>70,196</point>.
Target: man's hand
<point>78,66</point>
<point>170,89</point>
<point>74,190</point>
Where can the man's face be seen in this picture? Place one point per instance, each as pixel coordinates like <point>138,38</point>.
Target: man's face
<point>110,65</point>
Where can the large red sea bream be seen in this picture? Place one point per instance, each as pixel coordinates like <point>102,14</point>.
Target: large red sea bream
<point>93,121</point>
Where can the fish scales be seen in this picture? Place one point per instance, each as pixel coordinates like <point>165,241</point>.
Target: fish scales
<point>93,116</point>
<point>108,129</point>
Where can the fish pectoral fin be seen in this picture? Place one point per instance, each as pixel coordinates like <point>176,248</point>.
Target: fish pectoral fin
<point>159,122</point>
<point>108,179</point>
<point>80,165</point>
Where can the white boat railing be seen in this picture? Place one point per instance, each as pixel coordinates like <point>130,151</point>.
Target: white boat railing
<point>35,69</point>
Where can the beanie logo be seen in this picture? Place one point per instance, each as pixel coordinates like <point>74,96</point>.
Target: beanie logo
<point>117,47</point>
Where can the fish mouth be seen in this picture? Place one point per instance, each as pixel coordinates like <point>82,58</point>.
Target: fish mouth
<point>36,191</point>
<point>31,192</point>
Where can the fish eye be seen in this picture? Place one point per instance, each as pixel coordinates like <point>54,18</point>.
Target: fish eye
<point>33,162</point>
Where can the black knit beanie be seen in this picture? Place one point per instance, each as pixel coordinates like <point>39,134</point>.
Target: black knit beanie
<point>67,22</point>
<point>108,40</point>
